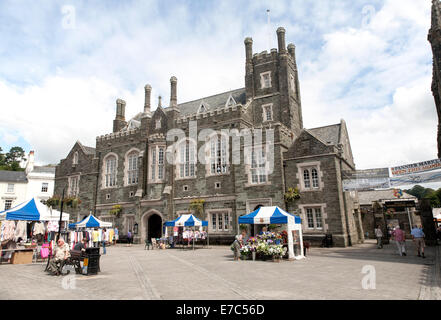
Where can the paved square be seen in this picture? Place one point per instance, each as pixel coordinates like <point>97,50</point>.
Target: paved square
<point>211,273</point>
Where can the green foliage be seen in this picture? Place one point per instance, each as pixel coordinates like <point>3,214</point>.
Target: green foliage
<point>426,193</point>
<point>243,227</point>
<point>292,194</point>
<point>197,206</point>
<point>116,209</point>
<point>11,160</point>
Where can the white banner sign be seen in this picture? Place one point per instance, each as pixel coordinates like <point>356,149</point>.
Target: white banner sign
<point>416,178</point>
<point>416,167</point>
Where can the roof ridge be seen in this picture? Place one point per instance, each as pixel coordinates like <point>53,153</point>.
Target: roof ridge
<point>214,95</point>
<point>330,125</point>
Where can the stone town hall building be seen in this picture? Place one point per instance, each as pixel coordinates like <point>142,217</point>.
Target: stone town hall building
<point>129,167</point>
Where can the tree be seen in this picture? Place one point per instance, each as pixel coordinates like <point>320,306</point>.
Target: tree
<point>11,160</point>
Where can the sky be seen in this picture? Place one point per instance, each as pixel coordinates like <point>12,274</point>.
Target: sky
<point>63,64</point>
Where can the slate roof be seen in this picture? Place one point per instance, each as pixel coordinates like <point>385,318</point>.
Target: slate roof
<point>328,134</point>
<point>212,102</point>
<point>13,176</point>
<point>367,197</point>
<point>44,169</point>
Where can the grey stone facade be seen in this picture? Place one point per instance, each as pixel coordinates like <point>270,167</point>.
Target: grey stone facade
<point>269,102</point>
<point>434,38</point>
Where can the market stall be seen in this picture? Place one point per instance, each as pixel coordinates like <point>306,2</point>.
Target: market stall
<point>30,220</point>
<point>276,215</point>
<point>188,220</point>
<point>85,229</point>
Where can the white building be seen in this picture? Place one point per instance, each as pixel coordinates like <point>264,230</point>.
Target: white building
<point>19,186</point>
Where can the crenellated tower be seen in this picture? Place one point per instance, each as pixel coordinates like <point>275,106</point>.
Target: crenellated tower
<point>272,84</point>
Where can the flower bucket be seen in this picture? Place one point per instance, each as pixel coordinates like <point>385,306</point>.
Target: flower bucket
<point>253,255</point>
<point>276,259</point>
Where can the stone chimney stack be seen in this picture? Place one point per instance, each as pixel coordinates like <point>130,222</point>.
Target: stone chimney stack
<point>248,49</point>
<point>173,94</point>
<point>148,92</point>
<point>249,77</point>
<point>30,163</point>
<point>159,102</point>
<point>281,40</point>
<point>292,51</point>
<point>120,120</point>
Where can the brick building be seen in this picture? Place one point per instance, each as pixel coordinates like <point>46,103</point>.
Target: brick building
<point>130,166</point>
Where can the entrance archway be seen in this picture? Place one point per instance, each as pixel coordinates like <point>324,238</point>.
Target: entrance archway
<point>151,225</point>
<point>154,226</point>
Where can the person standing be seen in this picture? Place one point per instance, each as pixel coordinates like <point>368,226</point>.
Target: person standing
<point>379,236</point>
<point>236,246</point>
<point>95,238</point>
<point>115,237</point>
<point>400,240</point>
<point>129,238</point>
<point>104,239</point>
<point>418,239</point>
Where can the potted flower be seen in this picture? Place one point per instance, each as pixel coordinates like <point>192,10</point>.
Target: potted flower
<point>116,210</point>
<point>245,252</point>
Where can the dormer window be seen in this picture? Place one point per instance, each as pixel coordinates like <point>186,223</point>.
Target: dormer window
<point>158,124</point>
<point>265,80</point>
<point>230,101</point>
<point>203,108</point>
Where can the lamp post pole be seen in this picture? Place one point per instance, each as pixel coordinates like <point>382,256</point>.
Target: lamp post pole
<point>61,216</point>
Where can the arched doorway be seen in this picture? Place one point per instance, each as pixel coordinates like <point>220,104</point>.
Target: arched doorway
<point>154,226</point>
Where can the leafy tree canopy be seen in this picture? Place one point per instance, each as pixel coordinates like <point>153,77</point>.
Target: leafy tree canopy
<point>11,160</point>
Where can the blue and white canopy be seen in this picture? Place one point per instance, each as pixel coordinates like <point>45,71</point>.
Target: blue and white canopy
<point>90,222</point>
<point>269,215</point>
<point>187,220</point>
<point>32,210</point>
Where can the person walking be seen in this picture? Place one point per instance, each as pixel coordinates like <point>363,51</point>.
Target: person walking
<point>379,236</point>
<point>418,238</point>
<point>400,240</point>
<point>104,238</point>
<point>95,238</point>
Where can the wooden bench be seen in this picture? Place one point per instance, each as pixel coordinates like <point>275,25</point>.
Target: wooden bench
<point>75,260</point>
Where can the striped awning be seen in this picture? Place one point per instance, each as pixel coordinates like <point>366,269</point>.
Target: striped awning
<point>269,215</point>
<point>90,222</point>
<point>187,220</point>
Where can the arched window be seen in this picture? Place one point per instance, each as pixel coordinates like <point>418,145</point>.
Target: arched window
<point>218,154</point>
<point>314,175</point>
<point>132,169</point>
<point>157,163</point>
<point>187,159</point>
<point>75,158</point>
<point>306,179</point>
<point>110,171</point>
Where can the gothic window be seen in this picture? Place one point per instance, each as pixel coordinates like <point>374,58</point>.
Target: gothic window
<point>314,218</point>
<point>73,186</point>
<point>265,80</point>
<point>267,112</point>
<point>218,154</point>
<point>186,159</point>
<point>158,124</point>
<point>132,170</point>
<point>157,163</point>
<point>110,171</point>
<point>292,82</point>
<point>75,158</point>
<point>310,174</point>
<point>258,168</point>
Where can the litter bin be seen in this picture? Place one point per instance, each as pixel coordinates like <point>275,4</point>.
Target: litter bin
<point>92,261</point>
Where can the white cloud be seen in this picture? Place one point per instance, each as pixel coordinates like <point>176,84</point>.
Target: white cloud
<point>375,76</point>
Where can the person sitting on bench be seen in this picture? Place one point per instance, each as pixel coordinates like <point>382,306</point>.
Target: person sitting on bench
<point>61,254</point>
<point>81,246</point>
